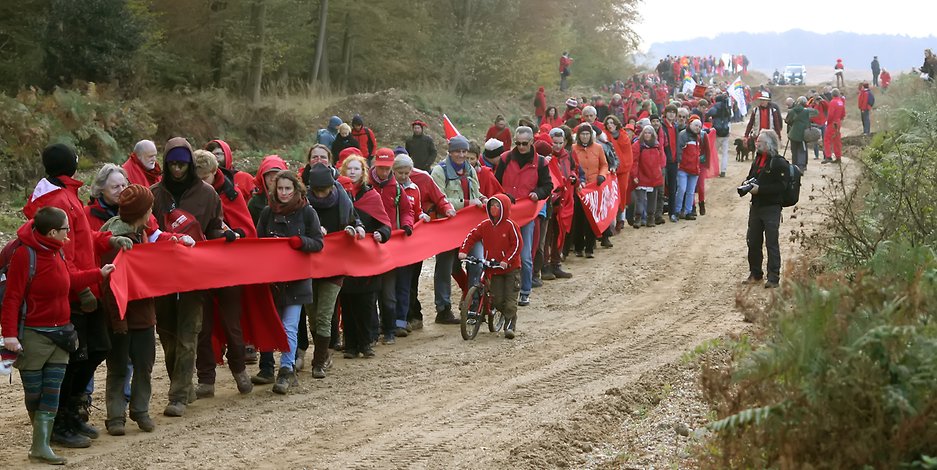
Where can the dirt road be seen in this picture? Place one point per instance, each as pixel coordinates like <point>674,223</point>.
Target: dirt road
<point>436,401</point>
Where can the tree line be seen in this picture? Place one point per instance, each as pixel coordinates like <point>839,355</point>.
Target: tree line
<point>253,47</point>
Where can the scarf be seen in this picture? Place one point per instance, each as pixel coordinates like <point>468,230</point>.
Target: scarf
<point>324,203</point>
<point>297,202</point>
<point>152,174</point>
<point>459,168</point>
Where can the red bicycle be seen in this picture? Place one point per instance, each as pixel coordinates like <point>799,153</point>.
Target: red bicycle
<point>476,306</point>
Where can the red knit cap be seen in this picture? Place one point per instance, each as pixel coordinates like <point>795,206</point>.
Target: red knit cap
<point>134,201</point>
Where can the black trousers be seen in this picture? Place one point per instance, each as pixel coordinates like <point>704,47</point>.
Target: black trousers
<point>583,237</point>
<point>764,223</point>
<point>358,310</point>
<point>416,310</point>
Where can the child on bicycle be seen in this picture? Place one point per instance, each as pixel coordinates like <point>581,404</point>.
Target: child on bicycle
<point>502,241</point>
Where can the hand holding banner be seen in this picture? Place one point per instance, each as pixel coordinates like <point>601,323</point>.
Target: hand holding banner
<point>600,204</point>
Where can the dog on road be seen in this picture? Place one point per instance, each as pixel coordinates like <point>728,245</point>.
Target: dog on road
<point>743,148</point>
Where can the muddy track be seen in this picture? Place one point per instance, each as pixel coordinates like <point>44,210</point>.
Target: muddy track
<point>436,401</point>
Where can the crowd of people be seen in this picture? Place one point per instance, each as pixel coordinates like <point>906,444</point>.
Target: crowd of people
<point>61,319</point>
<point>673,69</point>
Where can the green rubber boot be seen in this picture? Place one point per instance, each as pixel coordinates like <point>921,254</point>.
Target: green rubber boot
<point>42,431</point>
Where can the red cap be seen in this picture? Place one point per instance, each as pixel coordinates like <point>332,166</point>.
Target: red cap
<point>384,157</point>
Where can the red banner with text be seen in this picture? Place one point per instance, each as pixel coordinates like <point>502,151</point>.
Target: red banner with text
<point>600,204</point>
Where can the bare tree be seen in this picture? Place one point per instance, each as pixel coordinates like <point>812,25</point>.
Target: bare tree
<point>258,12</point>
<point>321,40</point>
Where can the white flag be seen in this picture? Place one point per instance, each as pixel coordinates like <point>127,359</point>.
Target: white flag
<point>737,92</point>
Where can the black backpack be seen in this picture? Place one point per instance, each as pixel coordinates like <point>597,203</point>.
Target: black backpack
<point>792,187</point>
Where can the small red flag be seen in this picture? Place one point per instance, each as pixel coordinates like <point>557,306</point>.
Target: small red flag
<point>449,128</point>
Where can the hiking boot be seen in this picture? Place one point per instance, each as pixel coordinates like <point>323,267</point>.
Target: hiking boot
<point>702,208</point>
<point>74,420</point>
<point>84,407</point>
<point>826,160</point>
<point>547,274</point>
<point>509,327</point>
<point>752,279</point>
<point>524,300</point>
<point>204,391</point>
<point>619,226</point>
<point>286,378</point>
<point>722,174</point>
<point>651,224</point>
<point>144,422</point>
<point>250,354</point>
<point>689,216</point>
<point>772,284</point>
<point>578,253</point>
<point>536,282</point>
<point>389,339</point>
<point>589,255</point>
<point>401,333</point>
<point>349,354</point>
<point>39,451</point>
<point>673,218</point>
<point>416,325</point>
<point>174,409</point>
<point>659,220</point>
<point>559,273</point>
<point>368,353</point>
<point>606,243</point>
<point>300,362</point>
<point>321,356</point>
<point>446,317</point>
<point>243,381</point>
<point>264,377</point>
<point>67,438</point>
<point>636,225</point>
<point>115,427</point>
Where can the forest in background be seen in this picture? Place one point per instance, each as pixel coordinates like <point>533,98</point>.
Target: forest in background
<point>255,47</point>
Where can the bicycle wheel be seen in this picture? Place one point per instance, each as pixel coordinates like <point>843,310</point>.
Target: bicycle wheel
<point>470,319</point>
<point>495,319</point>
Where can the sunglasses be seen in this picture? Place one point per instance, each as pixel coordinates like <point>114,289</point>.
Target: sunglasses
<point>521,144</point>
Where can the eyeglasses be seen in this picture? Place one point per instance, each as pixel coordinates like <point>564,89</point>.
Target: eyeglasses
<point>521,144</point>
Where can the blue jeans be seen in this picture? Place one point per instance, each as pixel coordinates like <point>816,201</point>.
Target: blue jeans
<point>686,188</point>
<point>442,277</point>
<point>866,122</point>
<point>819,144</point>
<point>527,259</point>
<point>289,315</point>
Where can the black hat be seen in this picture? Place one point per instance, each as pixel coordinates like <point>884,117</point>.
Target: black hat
<point>320,176</point>
<point>59,159</point>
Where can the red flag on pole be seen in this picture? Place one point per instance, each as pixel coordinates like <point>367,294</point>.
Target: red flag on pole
<point>449,128</point>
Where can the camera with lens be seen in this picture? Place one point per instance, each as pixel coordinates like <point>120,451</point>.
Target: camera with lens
<point>747,186</point>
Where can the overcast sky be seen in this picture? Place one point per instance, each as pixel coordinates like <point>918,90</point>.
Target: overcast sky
<point>664,21</point>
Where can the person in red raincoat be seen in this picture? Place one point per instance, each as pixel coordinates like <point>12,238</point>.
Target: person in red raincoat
<point>243,181</point>
<point>142,167</point>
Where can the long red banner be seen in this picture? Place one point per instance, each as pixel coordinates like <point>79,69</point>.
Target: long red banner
<point>157,269</point>
<point>601,204</point>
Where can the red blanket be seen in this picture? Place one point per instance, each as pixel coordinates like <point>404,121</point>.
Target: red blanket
<point>169,268</point>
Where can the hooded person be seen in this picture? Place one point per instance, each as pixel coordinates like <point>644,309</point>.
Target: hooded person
<point>243,181</point>
<point>59,189</point>
<point>183,204</point>
<point>327,135</point>
<point>266,174</point>
<point>540,104</point>
<point>336,213</point>
<point>142,167</point>
<point>223,307</point>
<point>421,147</point>
<point>503,244</point>
<point>35,306</point>
<point>367,143</point>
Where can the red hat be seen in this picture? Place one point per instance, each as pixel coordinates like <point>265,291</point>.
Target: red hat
<point>418,123</point>
<point>543,148</point>
<point>347,153</point>
<point>629,127</point>
<point>384,157</point>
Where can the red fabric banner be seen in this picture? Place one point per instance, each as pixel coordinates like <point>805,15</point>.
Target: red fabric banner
<point>601,204</point>
<point>156,269</point>
<point>563,191</point>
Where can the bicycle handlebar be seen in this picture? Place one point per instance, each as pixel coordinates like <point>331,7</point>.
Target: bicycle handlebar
<point>490,264</point>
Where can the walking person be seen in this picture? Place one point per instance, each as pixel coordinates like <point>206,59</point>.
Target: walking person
<point>798,120</point>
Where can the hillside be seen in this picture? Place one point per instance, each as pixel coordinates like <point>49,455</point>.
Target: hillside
<point>895,52</point>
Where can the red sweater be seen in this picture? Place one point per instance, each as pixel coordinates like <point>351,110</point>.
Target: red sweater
<point>47,304</point>
<point>500,236</point>
<point>648,162</point>
<point>86,244</point>
<point>504,135</point>
<point>396,203</point>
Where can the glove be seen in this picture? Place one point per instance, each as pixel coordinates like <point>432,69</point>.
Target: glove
<point>120,327</point>
<point>88,301</point>
<point>296,242</point>
<point>600,179</point>
<point>230,236</point>
<point>240,232</point>
<point>121,243</point>
<point>408,230</point>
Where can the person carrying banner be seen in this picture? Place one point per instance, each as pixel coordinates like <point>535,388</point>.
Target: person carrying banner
<point>569,174</point>
<point>591,158</point>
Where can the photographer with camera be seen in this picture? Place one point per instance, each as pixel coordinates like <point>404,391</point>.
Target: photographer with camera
<point>766,182</point>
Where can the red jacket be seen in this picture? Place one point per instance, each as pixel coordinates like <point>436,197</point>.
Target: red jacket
<point>244,182</point>
<point>488,184</point>
<point>500,236</point>
<point>622,147</point>
<point>837,110</point>
<point>366,140</point>
<point>412,191</point>
<point>647,164</point>
<point>667,137</point>
<point>432,200</point>
<point>86,244</point>
<point>504,135</point>
<point>554,122</point>
<point>234,211</point>
<point>864,100</point>
<point>396,203</point>
<point>821,107</point>
<point>884,79</point>
<point>47,304</point>
<point>690,155</point>
<point>138,174</point>
<point>540,103</point>
<point>519,181</point>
